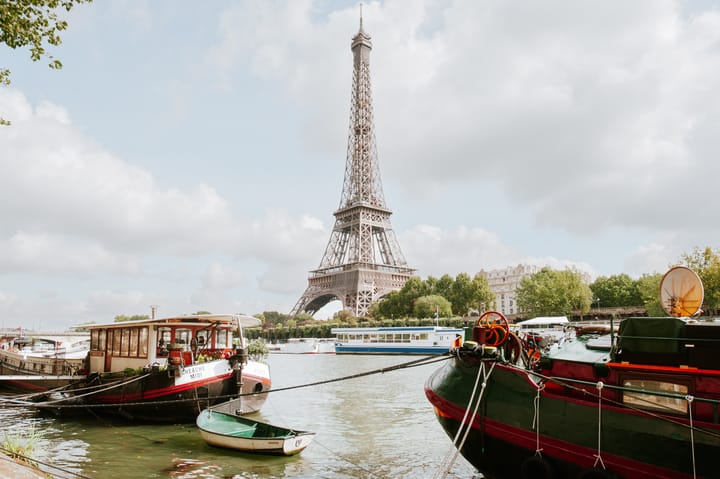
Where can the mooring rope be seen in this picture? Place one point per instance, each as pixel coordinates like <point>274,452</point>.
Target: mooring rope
<point>447,463</point>
<point>29,396</point>
<point>9,455</point>
<point>25,403</point>
<point>569,385</point>
<point>598,457</point>
<point>55,404</point>
<point>690,399</point>
<point>536,419</point>
<point>91,393</point>
<point>58,403</point>
<point>410,364</point>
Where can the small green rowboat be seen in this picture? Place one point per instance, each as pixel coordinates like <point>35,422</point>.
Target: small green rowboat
<point>246,435</point>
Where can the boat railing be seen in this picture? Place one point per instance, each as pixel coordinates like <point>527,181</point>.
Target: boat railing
<point>562,381</point>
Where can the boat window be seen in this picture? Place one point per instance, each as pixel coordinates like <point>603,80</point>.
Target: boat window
<point>116,340</point>
<point>97,339</point>
<point>221,339</point>
<point>424,336</point>
<point>101,340</point>
<point>164,337</point>
<point>651,399</point>
<point>133,349</point>
<point>143,342</point>
<point>125,342</point>
<point>183,336</point>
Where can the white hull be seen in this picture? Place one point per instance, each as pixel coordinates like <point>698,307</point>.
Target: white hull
<point>281,446</point>
<point>307,346</point>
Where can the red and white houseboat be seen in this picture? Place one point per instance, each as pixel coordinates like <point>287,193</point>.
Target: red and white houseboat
<point>166,370</point>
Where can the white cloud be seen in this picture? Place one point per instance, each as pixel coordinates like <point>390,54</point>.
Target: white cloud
<point>588,116</point>
<point>42,253</point>
<point>435,252</point>
<point>68,185</point>
<point>564,134</point>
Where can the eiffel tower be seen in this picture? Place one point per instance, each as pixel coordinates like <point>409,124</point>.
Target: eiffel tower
<point>362,260</point>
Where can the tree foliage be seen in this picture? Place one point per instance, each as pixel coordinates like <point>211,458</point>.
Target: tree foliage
<point>470,294</point>
<point>551,292</point>
<point>616,291</point>
<point>649,288</point>
<point>136,317</point>
<point>425,307</point>
<point>706,263</point>
<point>34,24</point>
<point>461,292</point>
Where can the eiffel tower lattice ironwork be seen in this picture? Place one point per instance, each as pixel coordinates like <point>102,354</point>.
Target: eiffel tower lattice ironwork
<point>362,261</point>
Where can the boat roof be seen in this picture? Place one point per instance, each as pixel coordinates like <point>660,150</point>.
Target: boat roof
<point>62,339</point>
<point>397,329</point>
<point>543,320</point>
<point>189,320</point>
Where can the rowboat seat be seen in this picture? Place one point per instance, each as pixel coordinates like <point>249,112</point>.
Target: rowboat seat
<point>232,428</point>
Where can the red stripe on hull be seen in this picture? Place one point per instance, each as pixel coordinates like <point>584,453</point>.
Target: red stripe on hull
<point>580,456</point>
<point>158,393</point>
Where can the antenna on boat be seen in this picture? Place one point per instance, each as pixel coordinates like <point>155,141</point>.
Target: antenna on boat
<point>681,292</point>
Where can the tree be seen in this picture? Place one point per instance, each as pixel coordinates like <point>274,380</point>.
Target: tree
<point>649,288</point>
<point>443,287</point>
<point>466,293</point>
<point>302,318</point>
<point>706,263</point>
<point>273,318</point>
<point>425,307</point>
<point>392,305</point>
<point>136,317</point>
<point>33,23</point>
<point>550,292</point>
<point>616,291</point>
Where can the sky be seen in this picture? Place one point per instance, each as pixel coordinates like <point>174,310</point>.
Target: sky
<point>191,155</point>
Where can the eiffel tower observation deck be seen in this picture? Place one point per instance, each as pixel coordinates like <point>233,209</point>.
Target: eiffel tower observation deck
<point>362,261</point>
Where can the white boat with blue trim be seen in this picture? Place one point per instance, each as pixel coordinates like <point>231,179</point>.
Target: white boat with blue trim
<point>397,340</point>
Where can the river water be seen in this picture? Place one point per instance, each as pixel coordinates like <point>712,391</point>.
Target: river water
<point>375,426</point>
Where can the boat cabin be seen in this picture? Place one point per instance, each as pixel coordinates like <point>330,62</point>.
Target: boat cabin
<point>178,341</point>
<point>652,363</point>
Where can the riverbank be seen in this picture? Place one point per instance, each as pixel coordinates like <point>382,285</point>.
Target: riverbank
<point>11,468</point>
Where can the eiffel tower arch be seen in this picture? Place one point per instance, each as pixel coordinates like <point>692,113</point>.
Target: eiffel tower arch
<point>362,261</point>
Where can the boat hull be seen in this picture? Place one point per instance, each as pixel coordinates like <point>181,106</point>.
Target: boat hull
<point>244,435</point>
<point>503,443</point>
<point>29,373</point>
<point>276,447</point>
<point>380,349</point>
<point>166,396</point>
<point>420,340</point>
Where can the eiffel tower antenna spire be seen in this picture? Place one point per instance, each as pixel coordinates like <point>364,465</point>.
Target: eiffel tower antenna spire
<point>362,261</point>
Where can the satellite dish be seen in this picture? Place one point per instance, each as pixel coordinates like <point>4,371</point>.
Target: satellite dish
<point>681,292</point>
